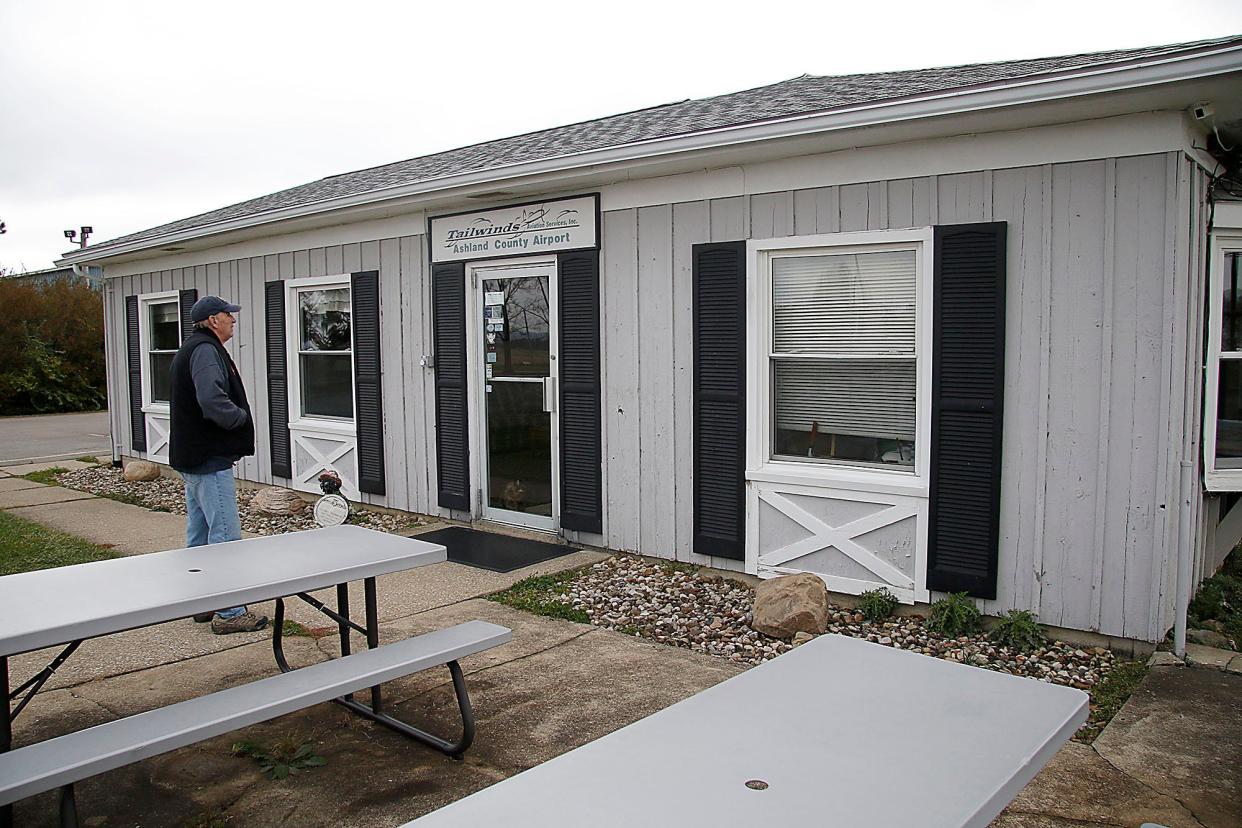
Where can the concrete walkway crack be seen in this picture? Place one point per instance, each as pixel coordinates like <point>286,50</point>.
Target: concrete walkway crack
<point>1149,787</point>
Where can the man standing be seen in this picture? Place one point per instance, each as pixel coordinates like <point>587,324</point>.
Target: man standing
<point>211,429</point>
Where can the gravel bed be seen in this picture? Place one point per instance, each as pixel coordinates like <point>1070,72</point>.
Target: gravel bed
<point>166,494</point>
<point>678,606</point>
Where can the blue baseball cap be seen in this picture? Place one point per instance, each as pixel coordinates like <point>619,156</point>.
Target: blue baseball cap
<point>209,306</point>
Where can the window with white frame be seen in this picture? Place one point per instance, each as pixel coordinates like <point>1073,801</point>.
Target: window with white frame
<point>325,351</point>
<point>1223,400</point>
<point>162,328</point>
<point>842,359</point>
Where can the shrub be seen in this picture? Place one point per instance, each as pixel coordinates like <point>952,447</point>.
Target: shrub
<point>1019,630</point>
<point>954,616</point>
<point>877,604</point>
<point>51,347</point>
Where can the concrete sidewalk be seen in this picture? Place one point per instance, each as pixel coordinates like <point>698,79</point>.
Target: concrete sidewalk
<point>1171,756</point>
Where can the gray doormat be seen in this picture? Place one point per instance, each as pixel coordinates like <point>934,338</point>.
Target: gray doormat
<point>488,550</point>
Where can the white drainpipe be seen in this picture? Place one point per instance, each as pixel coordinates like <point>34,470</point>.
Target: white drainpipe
<point>1185,558</point>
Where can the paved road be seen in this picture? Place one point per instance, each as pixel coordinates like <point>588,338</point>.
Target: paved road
<point>54,437</point>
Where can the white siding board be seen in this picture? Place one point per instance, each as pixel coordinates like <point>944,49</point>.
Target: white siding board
<point>351,257</point>
<point>853,207</point>
<point>1018,200</point>
<point>877,205</point>
<point>691,225</point>
<point>387,260</point>
<point>657,532</point>
<point>333,259</point>
<point>771,215</point>
<point>730,219</point>
<point>620,364</point>
<point>1078,195</point>
<point>318,262</point>
<point>899,197</point>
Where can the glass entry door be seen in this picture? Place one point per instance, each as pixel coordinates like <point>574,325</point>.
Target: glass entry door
<point>518,345</point>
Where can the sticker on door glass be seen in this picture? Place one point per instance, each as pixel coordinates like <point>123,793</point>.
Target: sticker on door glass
<point>489,369</point>
<point>491,357</point>
<point>494,297</point>
<point>491,338</point>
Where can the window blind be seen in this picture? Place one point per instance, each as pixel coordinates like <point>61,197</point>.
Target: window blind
<point>856,303</point>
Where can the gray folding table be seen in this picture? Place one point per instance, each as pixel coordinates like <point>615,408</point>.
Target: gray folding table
<point>838,732</point>
<point>66,605</point>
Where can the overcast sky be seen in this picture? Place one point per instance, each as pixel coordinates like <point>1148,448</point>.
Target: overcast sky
<point>125,115</point>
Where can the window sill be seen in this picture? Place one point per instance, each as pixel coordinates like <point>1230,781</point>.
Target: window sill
<point>865,480</point>
<point>347,428</point>
<point>156,408</point>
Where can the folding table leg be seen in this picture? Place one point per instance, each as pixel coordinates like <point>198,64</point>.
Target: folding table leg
<point>6,734</point>
<point>68,808</point>
<point>377,701</point>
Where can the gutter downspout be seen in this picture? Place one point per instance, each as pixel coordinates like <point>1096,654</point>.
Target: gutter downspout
<point>83,271</point>
<point>1184,560</point>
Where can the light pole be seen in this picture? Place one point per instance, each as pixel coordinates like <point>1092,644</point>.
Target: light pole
<point>86,233</point>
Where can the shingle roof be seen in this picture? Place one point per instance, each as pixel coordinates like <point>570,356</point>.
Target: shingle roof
<point>805,95</point>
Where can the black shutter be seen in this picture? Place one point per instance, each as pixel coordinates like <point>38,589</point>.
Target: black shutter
<point>448,288</point>
<point>720,399</point>
<point>967,403</point>
<point>368,396</point>
<point>277,380</point>
<point>133,343</point>
<point>188,298</point>
<point>581,480</point>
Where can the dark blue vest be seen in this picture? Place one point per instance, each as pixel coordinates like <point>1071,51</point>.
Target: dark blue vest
<point>194,438</point>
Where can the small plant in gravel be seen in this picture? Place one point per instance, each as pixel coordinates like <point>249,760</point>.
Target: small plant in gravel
<point>46,476</point>
<point>1218,604</point>
<point>877,604</point>
<point>286,756</point>
<point>1108,697</point>
<point>955,616</point>
<point>1019,631</point>
<point>542,595</point>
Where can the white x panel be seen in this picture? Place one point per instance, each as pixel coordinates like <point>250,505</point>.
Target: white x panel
<point>807,529</point>
<point>315,453</point>
<point>157,437</point>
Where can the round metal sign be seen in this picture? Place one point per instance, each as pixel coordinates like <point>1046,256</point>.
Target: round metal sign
<point>331,510</point>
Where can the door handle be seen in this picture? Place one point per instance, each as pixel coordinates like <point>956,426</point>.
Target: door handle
<point>549,394</point>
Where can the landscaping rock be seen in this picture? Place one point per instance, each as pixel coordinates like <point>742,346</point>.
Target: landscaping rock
<point>277,501</point>
<point>1161,658</point>
<point>791,604</point>
<point>1209,638</point>
<point>802,638</point>
<point>141,471</point>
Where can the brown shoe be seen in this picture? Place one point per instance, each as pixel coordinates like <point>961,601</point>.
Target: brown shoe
<point>246,622</point>
<point>203,617</point>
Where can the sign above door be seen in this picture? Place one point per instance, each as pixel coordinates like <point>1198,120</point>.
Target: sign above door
<point>522,229</point>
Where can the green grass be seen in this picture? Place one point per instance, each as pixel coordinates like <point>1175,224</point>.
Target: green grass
<point>26,546</point>
<point>46,476</point>
<point>294,628</point>
<point>1109,695</point>
<point>540,594</point>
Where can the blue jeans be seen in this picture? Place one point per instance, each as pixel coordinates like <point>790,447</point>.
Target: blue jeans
<point>211,514</point>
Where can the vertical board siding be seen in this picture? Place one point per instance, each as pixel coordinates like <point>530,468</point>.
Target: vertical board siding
<point>1103,337</point>
<point>655,382</point>
<point>691,226</point>
<point>620,358</point>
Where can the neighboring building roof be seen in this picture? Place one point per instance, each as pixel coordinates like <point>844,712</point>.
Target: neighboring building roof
<point>799,96</point>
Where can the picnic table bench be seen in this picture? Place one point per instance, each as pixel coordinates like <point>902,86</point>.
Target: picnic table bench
<point>70,604</point>
<point>838,732</point>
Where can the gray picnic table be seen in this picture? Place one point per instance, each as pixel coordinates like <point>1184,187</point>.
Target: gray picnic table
<point>838,732</point>
<point>68,605</point>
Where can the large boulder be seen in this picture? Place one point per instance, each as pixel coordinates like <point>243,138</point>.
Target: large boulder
<point>277,501</point>
<point>791,604</point>
<point>140,471</point>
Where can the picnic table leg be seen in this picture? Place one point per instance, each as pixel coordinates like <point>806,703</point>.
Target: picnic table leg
<point>6,735</point>
<point>377,701</point>
<point>342,627</point>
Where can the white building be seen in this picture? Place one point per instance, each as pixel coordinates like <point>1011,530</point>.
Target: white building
<point>933,330</point>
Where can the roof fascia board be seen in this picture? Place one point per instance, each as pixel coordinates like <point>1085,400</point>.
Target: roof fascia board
<point>1092,80</point>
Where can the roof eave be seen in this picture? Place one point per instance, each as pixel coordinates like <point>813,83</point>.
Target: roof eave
<point>1169,68</point>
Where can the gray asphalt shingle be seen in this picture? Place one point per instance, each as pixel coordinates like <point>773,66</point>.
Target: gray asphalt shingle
<point>799,96</point>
